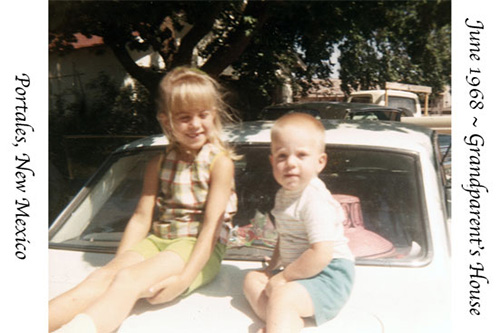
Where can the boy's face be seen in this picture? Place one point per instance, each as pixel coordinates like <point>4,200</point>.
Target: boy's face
<point>296,157</point>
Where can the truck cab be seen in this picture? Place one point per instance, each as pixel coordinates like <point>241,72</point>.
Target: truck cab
<point>395,98</point>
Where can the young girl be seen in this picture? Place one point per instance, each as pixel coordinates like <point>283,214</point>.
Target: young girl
<point>195,198</point>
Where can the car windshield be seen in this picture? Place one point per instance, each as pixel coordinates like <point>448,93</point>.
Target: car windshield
<point>378,189</point>
<point>361,99</point>
<point>392,115</point>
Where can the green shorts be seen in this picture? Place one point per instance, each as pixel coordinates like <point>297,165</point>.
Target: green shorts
<point>183,246</point>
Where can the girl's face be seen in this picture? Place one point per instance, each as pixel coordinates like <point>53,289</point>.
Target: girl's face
<point>192,128</point>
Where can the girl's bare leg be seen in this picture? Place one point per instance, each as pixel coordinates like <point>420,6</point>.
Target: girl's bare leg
<point>130,284</point>
<point>67,305</point>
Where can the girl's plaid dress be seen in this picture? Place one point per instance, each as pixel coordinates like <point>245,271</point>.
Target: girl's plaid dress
<point>183,192</point>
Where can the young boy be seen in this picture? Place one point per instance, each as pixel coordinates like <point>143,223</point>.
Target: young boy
<point>318,265</point>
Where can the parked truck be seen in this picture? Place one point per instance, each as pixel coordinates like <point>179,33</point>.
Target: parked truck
<point>395,95</point>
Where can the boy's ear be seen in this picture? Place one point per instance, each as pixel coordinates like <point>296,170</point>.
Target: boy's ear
<point>323,158</point>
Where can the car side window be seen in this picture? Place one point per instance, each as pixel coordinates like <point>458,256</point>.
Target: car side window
<point>101,211</point>
<point>387,196</point>
<point>402,102</point>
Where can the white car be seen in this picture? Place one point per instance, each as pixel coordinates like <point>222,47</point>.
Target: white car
<point>388,177</point>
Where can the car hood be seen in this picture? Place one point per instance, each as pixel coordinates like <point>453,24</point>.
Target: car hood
<point>421,305</point>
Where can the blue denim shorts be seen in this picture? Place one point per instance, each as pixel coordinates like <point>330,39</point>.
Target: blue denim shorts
<point>330,289</point>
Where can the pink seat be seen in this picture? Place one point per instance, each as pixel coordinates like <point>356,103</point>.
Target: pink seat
<point>362,242</point>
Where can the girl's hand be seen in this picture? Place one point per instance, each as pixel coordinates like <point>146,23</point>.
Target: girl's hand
<point>167,290</point>
<point>276,281</point>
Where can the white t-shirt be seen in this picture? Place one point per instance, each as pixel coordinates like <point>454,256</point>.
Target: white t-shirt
<point>307,217</point>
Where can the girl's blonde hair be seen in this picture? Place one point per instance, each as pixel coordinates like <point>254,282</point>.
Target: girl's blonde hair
<point>185,88</point>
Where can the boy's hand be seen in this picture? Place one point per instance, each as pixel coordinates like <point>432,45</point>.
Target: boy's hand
<point>276,281</point>
<point>268,266</point>
<point>311,262</point>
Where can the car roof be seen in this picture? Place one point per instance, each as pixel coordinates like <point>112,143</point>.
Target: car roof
<point>329,105</point>
<point>381,134</point>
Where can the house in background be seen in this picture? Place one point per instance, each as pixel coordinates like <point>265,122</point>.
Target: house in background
<point>441,104</point>
<point>71,73</point>
<point>325,90</point>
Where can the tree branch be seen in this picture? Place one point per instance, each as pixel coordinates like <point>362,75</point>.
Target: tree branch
<point>147,77</point>
<point>238,40</point>
<point>199,30</point>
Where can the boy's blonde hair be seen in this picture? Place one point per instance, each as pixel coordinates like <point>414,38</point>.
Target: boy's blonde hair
<point>186,88</point>
<point>302,120</point>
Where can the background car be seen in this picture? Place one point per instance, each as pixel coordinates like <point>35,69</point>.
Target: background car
<point>441,124</point>
<point>336,110</point>
<point>389,180</point>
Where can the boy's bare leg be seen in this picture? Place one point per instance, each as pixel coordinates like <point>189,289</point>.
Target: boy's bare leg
<point>67,305</point>
<point>254,287</point>
<point>286,307</point>
<point>130,284</point>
